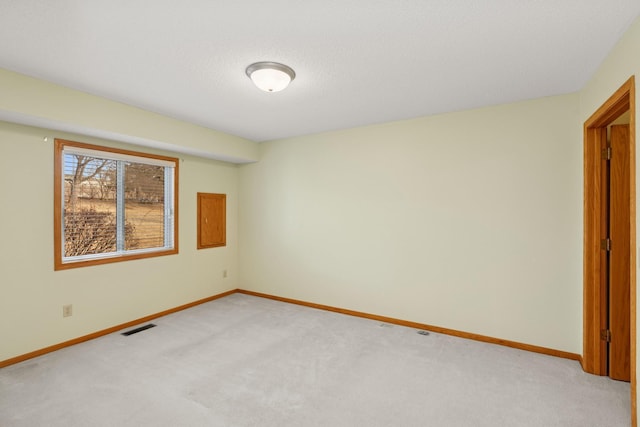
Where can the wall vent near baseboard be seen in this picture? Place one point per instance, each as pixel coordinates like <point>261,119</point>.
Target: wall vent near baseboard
<point>136,330</point>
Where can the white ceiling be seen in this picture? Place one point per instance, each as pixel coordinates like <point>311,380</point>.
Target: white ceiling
<point>358,62</point>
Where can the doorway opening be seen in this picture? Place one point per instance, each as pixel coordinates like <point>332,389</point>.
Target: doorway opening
<point>609,304</point>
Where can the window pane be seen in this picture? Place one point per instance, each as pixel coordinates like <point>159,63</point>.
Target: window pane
<point>112,205</point>
<point>89,205</point>
<point>144,206</point>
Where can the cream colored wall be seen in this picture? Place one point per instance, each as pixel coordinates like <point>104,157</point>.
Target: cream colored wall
<point>470,221</point>
<point>38,103</point>
<point>622,63</point>
<point>32,294</point>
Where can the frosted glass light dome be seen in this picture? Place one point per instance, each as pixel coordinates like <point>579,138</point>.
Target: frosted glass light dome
<point>270,76</point>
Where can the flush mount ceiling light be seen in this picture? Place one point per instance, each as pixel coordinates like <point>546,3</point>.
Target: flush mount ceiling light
<point>270,76</point>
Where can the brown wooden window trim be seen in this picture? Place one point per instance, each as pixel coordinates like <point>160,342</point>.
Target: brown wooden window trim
<point>58,192</point>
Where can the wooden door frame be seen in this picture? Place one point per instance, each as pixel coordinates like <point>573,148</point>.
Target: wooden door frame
<point>594,357</point>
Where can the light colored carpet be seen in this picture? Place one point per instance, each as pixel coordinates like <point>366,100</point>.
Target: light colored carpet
<point>247,361</point>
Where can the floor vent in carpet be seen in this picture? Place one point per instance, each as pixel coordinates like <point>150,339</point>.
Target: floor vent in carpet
<point>140,329</point>
<point>423,332</point>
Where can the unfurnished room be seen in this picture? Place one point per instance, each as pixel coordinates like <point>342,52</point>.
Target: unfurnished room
<point>322,213</point>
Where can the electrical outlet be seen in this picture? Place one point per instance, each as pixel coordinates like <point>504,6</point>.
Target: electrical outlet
<point>67,310</point>
<point>224,274</point>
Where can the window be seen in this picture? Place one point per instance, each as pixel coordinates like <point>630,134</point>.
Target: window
<point>112,205</point>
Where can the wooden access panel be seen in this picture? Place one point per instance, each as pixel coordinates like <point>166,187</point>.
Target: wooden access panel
<point>212,220</point>
<point>619,267</point>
